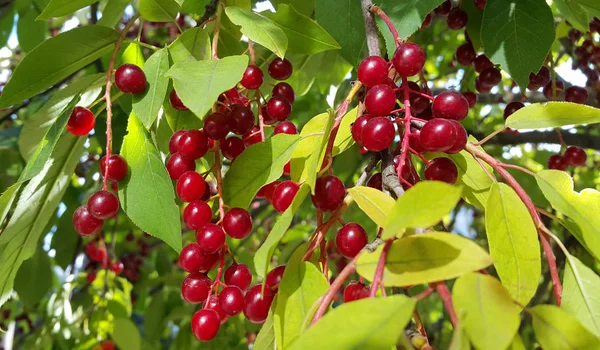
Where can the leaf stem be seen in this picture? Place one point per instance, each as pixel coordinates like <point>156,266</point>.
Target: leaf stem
<point>442,289</point>
<point>380,268</point>
<point>379,12</point>
<point>215,43</point>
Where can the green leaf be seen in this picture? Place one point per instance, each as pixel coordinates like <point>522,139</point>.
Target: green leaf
<point>343,20</point>
<point>148,104</point>
<point>305,7</point>
<point>304,35</point>
<point>582,207</point>
<point>517,35</point>
<point>407,17</point>
<point>263,255</point>
<point>65,239</point>
<point>259,29</point>
<point>460,341</point>
<point>343,139</point>
<point>180,120</point>
<point>301,286</point>
<point>36,206</point>
<point>126,334</point>
<point>217,76</point>
<point>57,8</point>
<point>133,55</point>
<point>372,323</point>
<point>423,205</point>
<point>581,294</point>
<point>112,13</point>
<point>373,202</point>
<point>62,55</point>
<point>310,152</point>
<point>159,10</point>
<point>37,269</point>
<point>30,32</point>
<point>425,258</point>
<point>7,199</point>
<point>153,318</point>
<point>513,242</point>
<point>191,45</point>
<point>553,115</point>
<point>475,16</point>
<point>265,340</point>
<point>578,12</point>
<point>481,301</point>
<point>259,164</point>
<point>556,329</point>
<point>147,195</point>
<point>7,19</point>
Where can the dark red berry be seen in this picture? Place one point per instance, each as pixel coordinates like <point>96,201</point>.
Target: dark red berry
<point>252,78</point>
<point>540,79</point>
<point>257,304</point>
<point>576,94</point>
<point>284,90</point>
<point>231,300</point>
<point>372,71</point>
<point>214,304</point>
<point>274,277</point>
<point>378,134</point>
<point>358,126</point>
<point>176,102</point>
<point>575,156</point>
<point>461,138</point>
<point>481,63</point>
<point>130,79</point>
<point>549,92</point>
<point>285,127</point>
<point>174,141</point>
<point>409,59</point>
<point>480,4</point>
<point>117,267</point>
<point>471,98</point>
<point>238,275</point>
<point>232,147</point>
<point>197,214</point>
<point>512,108</point>
<point>450,105</point>
<point>241,119</point>
<point>490,77</point>
<point>267,119</point>
<point>193,144</point>
<point>210,262</point>
<point>574,35</point>
<point>191,257</point>
<point>482,88</point>
<point>190,186</point>
<point>465,54</point>
<point>557,162</point>
<point>355,291</point>
<point>426,22</point>
<point>329,193</point>
<point>117,167</point>
<point>443,9</point>
<point>351,239</point>
<point>81,121</point>
<point>91,277</point>
<point>279,108</point>
<point>376,181</point>
<point>103,205</point>
<point>237,223</point>
<point>441,169</point>
<point>179,164</point>
<point>267,191</point>
<point>210,238</point>
<point>380,100</point>
<point>216,126</point>
<point>251,137</point>
<point>284,194</point>
<point>195,287</point>
<point>280,69</point>
<point>205,324</point>
<point>438,135</point>
<point>457,19</point>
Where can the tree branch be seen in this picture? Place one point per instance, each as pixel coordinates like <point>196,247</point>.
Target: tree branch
<point>508,138</point>
<point>370,28</point>
<point>209,11</point>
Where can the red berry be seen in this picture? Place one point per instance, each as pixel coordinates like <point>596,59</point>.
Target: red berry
<point>231,300</point>
<point>461,138</point>
<point>267,119</point>
<point>195,288</point>
<point>117,167</point>
<point>253,78</point>
<point>575,156</point>
<point>557,162</point>
<point>378,134</point>
<point>257,304</point>
<point>117,267</point>
<point>214,304</point>
<point>284,194</point>
<point>205,324</point>
<point>274,277</point>
<point>438,135</point>
<point>232,147</point>
<point>287,168</point>
<point>540,79</point>
<point>426,22</point>
<point>457,19</point>
<point>285,127</point>
<point>85,224</point>
<point>450,105</point>
<point>190,186</point>
<point>372,71</point>
<point>191,257</point>
<point>380,100</point>
<point>130,79</point>
<point>358,126</point>
<point>91,277</point>
<point>237,223</point>
<point>482,88</point>
<point>241,119</point>
<point>471,98</point>
<point>549,93</point>
<point>251,137</point>
<point>481,63</point>
<point>576,94</point>
<point>216,126</point>
<point>512,108</point>
<point>355,291</point>
<point>176,102</point>
<point>351,239</point>
<point>197,214</point>
<point>465,54</point>
<point>480,4</point>
<point>103,205</point>
<point>279,108</point>
<point>490,77</point>
<point>174,141</point>
<point>444,8</point>
<point>442,169</point>
<point>280,69</point>
<point>81,121</point>
<point>409,59</point>
<point>284,90</point>
<point>267,191</point>
<point>376,181</point>
<point>329,193</point>
<point>179,164</point>
<point>574,35</point>
<point>95,252</point>
<point>238,275</point>
<point>193,144</point>
<point>210,262</point>
<point>211,238</point>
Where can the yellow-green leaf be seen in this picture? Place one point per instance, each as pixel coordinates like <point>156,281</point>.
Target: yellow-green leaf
<point>581,294</point>
<point>343,139</point>
<point>373,202</point>
<point>513,242</point>
<point>425,258</point>
<point>191,45</point>
<point>556,329</point>
<point>147,105</point>
<point>133,55</point>
<point>423,205</point>
<point>159,10</point>
<point>470,174</point>
<point>259,29</point>
<point>552,115</point>
<point>481,301</point>
<point>126,335</point>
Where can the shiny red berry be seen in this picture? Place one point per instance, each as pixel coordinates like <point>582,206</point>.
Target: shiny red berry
<point>103,205</point>
<point>237,223</point>
<point>482,62</point>
<point>238,275</point>
<point>557,162</point>
<point>274,277</point>
<point>251,137</point>
<point>358,126</point>
<point>231,300</point>
<point>380,100</point>
<point>355,291</point>
<point>241,119</point>
<point>409,59</point>
<point>195,288</point>
<point>284,194</point>
<point>465,54</point>
<point>210,238</point>
<point>284,90</point>
<point>117,167</point>
<point>81,121</point>
<point>461,138</point>
<point>285,127</point>
<point>329,193</point>
<point>130,79</point>
<point>575,156</point>
<point>190,186</point>
<point>576,94</point>
<point>490,77</point>
<point>216,126</point>
<point>450,105</point>
<point>279,108</point>
<point>444,8</point>
<point>232,147</point>
<point>438,135</point>
<point>193,144</point>
<point>457,19</point>
<point>540,79</point>
<point>174,141</point>
<point>376,181</point>
<point>252,78</point>
<point>205,324</point>
<point>179,164</point>
<point>351,239</point>
<point>378,134</point>
<point>117,267</point>
<point>280,69</point>
<point>197,214</point>
<point>191,257</point>
<point>441,169</point>
<point>214,304</point>
<point>512,108</point>
<point>85,224</point>
<point>176,101</point>
<point>257,304</point>
<point>372,71</point>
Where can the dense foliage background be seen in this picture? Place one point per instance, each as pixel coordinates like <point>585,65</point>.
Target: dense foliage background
<point>55,53</point>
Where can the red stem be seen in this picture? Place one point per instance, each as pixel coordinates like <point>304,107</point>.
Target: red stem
<point>217,280</point>
<point>405,138</point>
<point>446,297</point>
<point>388,22</point>
<point>424,294</point>
<point>217,168</point>
<point>380,268</point>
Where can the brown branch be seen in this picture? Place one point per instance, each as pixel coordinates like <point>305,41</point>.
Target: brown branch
<point>370,28</point>
<point>209,11</point>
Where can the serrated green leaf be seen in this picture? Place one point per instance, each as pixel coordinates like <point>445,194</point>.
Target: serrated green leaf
<point>147,195</point>
<point>372,323</point>
<point>517,35</point>
<point>217,76</point>
<point>112,13</point>
<point>159,10</point>
<point>582,207</point>
<point>556,329</point>
<point>310,152</point>
<point>581,294</point>
<point>553,115</point>
<point>57,8</point>
<point>425,258</point>
<point>343,139</point>
<point>259,164</point>
<point>37,269</point>
<point>62,55</point>
<point>7,199</point>
<point>126,335</point>
<point>373,202</point>
<point>423,205</point>
<point>191,45</point>
<point>305,7</point>
<point>133,55</point>
<point>481,301</point>
<point>475,16</point>
<point>513,242</point>
<point>263,255</point>
<point>578,12</point>
<point>147,105</point>
<point>304,35</point>
<point>259,29</point>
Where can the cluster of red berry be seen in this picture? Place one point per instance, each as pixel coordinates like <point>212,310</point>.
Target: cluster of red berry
<point>97,254</point>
